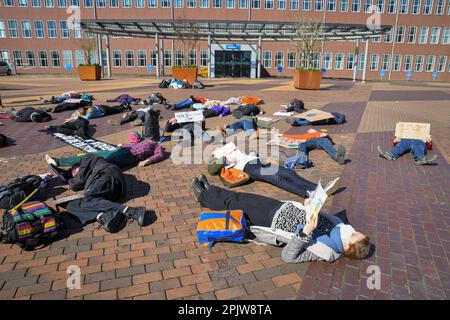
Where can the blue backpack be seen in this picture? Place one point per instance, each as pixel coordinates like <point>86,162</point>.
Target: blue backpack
<point>230,225</point>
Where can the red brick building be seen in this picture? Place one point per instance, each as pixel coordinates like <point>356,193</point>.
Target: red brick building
<point>35,36</point>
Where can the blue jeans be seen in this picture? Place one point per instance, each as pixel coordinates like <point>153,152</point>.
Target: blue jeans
<point>317,143</point>
<point>285,179</point>
<point>417,147</point>
<point>241,125</point>
<point>182,104</point>
<point>301,122</point>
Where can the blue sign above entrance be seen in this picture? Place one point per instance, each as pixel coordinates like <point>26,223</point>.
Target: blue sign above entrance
<point>233,47</point>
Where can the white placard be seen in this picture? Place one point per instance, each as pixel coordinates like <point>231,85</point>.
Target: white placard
<point>190,116</point>
<point>316,202</point>
<point>283,114</point>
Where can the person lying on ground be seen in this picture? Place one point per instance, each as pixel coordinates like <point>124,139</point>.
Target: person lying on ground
<point>77,127</point>
<point>30,114</point>
<point>216,111</point>
<point>316,140</point>
<point>183,104</point>
<point>338,118</point>
<point>251,100</point>
<point>232,101</point>
<point>416,146</point>
<point>137,117</point>
<point>64,96</point>
<point>125,98</point>
<point>140,152</point>
<point>325,238</point>
<point>193,129</point>
<point>247,110</point>
<point>99,111</point>
<point>249,124</point>
<point>281,177</point>
<point>155,98</point>
<point>71,104</point>
<point>103,183</point>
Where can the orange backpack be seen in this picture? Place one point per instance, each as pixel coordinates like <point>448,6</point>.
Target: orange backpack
<point>232,177</point>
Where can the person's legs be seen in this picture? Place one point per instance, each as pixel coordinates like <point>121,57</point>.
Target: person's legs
<point>70,161</point>
<point>182,104</point>
<point>131,116</point>
<point>418,149</point>
<point>121,158</point>
<point>249,128</point>
<point>402,147</point>
<point>232,128</point>
<point>88,208</point>
<point>107,110</point>
<point>259,209</point>
<point>151,126</point>
<point>293,177</point>
<point>326,145</point>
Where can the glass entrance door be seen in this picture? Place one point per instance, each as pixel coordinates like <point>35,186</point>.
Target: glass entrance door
<point>236,64</point>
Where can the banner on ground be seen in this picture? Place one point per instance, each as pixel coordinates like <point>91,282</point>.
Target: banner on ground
<point>190,116</point>
<point>87,146</point>
<point>314,115</point>
<point>412,130</point>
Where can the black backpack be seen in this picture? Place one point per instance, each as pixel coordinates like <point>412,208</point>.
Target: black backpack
<point>164,84</point>
<point>151,127</point>
<point>18,190</point>
<point>3,141</point>
<point>296,105</point>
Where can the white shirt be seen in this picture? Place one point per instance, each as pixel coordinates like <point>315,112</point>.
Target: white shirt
<point>234,156</point>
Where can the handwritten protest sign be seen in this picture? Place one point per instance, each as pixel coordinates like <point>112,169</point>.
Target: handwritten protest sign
<point>412,130</point>
<point>190,116</point>
<point>315,202</point>
<point>314,115</point>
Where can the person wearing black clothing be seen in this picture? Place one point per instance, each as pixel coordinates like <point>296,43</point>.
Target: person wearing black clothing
<point>65,106</point>
<point>78,127</point>
<point>30,114</point>
<point>103,183</point>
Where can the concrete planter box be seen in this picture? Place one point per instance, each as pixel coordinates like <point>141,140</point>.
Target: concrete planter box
<point>190,74</point>
<point>89,72</point>
<point>309,80</point>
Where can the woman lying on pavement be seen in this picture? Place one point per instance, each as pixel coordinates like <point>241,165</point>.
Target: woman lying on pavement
<point>99,111</point>
<point>325,238</point>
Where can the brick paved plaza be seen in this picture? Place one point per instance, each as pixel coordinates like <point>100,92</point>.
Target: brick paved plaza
<point>403,208</point>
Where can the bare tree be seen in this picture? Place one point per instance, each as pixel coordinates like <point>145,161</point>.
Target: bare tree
<point>308,39</point>
<point>88,46</point>
<point>187,36</point>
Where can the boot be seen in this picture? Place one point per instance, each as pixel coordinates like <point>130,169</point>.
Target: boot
<point>383,154</point>
<point>340,155</point>
<point>429,158</point>
<point>64,175</point>
<point>110,221</point>
<point>136,214</point>
<point>197,188</point>
<point>203,180</point>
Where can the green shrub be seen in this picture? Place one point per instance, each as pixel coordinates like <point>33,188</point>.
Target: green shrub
<point>308,69</point>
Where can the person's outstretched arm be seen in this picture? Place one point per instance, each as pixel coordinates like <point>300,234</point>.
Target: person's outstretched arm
<point>158,155</point>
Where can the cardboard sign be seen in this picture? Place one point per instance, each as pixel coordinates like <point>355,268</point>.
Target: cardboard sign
<point>190,116</point>
<point>315,115</point>
<point>316,202</point>
<point>284,142</point>
<point>412,130</point>
<point>283,114</point>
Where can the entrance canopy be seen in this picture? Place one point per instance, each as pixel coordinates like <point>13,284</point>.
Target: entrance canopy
<point>225,30</point>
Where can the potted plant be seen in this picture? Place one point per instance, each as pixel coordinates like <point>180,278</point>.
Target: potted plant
<point>308,33</point>
<point>89,70</point>
<point>187,37</point>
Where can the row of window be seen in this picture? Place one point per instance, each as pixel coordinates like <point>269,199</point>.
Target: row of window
<point>389,6</point>
<point>143,58</point>
<point>414,34</point>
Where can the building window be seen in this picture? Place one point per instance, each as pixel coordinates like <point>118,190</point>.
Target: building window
<point>140,3</point>
<point>243,4</point>
<point>36,3</point>
<point>356,5</point>
<point>267,59</point>
<point>281,5</point>
<point>380,6</point>
<point>43,61</point>
<point>256,4</point>
<point>51,29</point>
<point>17,55</point>
<point>129,58</point>
<point>30,58</point>
<point>62,3</point>
<point>411,35</point>
<point>440,4</point>
<point>404,6</point>
<point>279,59</point>
<point>446,35</point>
<point>400,34</point>
<point>193,3</point>
<point>293,5</point>
<point>54,59</point>
<point>388,37</point>
<point>179,55</point>
<point>67,58</point>
<point>318,5</point>
<point>167,58</point>
<point>101,4</point>
<point>178,3</point>
<point>430,64</point>
<point>26,29</point>
<point>13,29</point>
<point>407,63</point>
<point>435,32</point>
<point>374,61</point>
<point>268,4</point>
<point>343,6</point>
<point>217,3</point>
<point>105,61</point>
<point>125,3</point>
<point>418,67</point>
<point>291,59</point>
<point>64,29</point>
<point>8,3</point>
<point>427,7</point>
<point>113,3</point>
<point>415,7</point>
<point>339,61</point>
<point>441,64</point>
<point>392,6</point>
<point>49,4</point>
<point>142,58</point>
<point>22,3</point>
<point>350,61</point>
<point>423,35</point>
<point>117,58</point>
<point>192,57</point>
<point>76,3</point>
<point>385,62</point>
<point>396,62</point>
<point>38,29</point>
<point>328,60</point>
<point>152,3</point>
<point>165,3</point>
<point>376,39</point>
<point>4,55</point>
<point>229,4</point>
<point>79,57</point>
<point>306,5</point>
<point>367,6</point>
<point>203,58</point>
<point>361,61</point>
<point>153,58</point>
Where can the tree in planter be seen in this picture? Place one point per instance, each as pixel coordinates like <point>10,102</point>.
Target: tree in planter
<point>308,41</point>
<point>187,38</point>
<point>89,47</point>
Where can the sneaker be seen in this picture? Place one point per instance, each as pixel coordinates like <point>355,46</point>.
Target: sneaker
<point>210,140</point>
<point>340,155</point>
<point>110,221</point>
<point>64,175</point>
<point>137,122</point>
<point>114,122</point>
<point>429,158</point>
<point>197,188</point>
<point>50,160</point>
<point>331,186</point>
<point>290,120</point>
<point>383,154</point>
<point>202,178</point>
<point>136,214</point>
